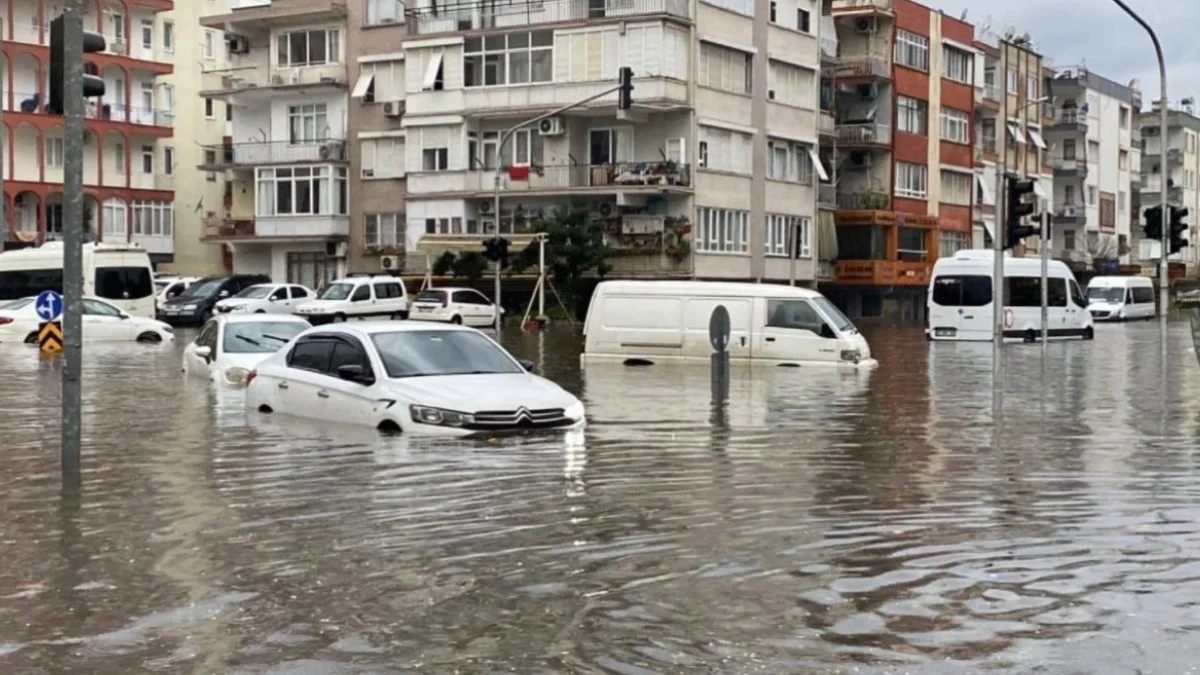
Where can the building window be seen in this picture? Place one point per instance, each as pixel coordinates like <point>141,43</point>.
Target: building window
<point>790,85</point>
<point>725,150</point>
<point>954,126</point>
<point>512,58</point>
<point>119,157</point>
<point>301,191</point>
<point>148,159</point>
<point>803,20</point>
<point>210,42</point>
<point>1068,148</point>
<point>169,161</point>
<point>956,187</point>
<point>957,65</point>
<point>789,161</point>
<point>1069,240</point>
<point>1091,195</point>
<point>722,231</point>
<point>307,48</point>
<point>774,10</point>
<point>115,223</point>
<point>1123,160</point>
<point>153,219</point>
<point>725,69</point>
<point>1014,81</point>
<point>1124,117</point>
<point>912,50</point>
<point>168,36</point>
<point>307,123</point>
<point>911,180</point>
<point>912,115</point>
<point>1031,88</point>
<point>778,230</point>
<point>382,157</point>
<point>209,109</point>
<point>953,242</point>
<point>54,153</point>
<point>446,226</point>
<point>1121,202</point>
<point>910,244</point>
<point>384,229</point>
<point>381,12</point>
<point>435,159</point>
<point>1068,195</point>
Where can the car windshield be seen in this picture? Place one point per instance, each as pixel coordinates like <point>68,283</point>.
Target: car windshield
<point>422,353</point>
<point>1099,294</point>
<point>255,292</point>
<point>431,296</point>
<point>260,337</point>
<point>337,292</point>
<point>203,289</point>
<point>835,315</point>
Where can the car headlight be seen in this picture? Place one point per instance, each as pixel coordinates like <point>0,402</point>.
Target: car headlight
<point>188,308</point>
<point>851,355</point>
<point>236,375</point>
<point>574,411</point>
<point>439,417</point>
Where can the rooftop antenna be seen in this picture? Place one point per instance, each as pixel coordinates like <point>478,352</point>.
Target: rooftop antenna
<point>964,16</point>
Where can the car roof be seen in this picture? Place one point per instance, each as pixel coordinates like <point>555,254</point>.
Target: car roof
<point>260,318</point>
<point>448,288</point>
<point>685,288</point>
<point>385,326</point>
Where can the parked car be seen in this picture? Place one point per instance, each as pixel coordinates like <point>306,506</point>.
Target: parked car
<point>266,299</point>
<point>230,345</point>
<point>197,304</point>
<point>465,306</point>
<point>102,321</point>
<point>168,287</point>
<point>410,377</point>
<point>358,297</point>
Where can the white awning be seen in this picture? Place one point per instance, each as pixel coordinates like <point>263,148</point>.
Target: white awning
<point>1037,139</point>
<point>431,71</point>
<point>987,227</point>
<point>1039,189</point>
<point>1014,130</point>
<point>989,194</point>
<point>365,79</point>
<point>817,166</point>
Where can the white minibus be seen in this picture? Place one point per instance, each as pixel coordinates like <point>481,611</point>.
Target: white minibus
<point>1121,298</point>
<point>119,273</point>
<point>643,322</point>
<point>960,299</point>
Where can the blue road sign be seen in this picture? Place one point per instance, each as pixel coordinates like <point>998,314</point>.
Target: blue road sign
<point>49,306</point>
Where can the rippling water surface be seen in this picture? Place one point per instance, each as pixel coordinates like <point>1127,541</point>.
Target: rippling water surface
<point>818,522</point>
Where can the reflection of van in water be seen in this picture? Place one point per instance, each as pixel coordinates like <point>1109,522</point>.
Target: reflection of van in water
<point>648,321</point>
<point>1121,298</point>
<point>119,273</point>
<point>960,299</point>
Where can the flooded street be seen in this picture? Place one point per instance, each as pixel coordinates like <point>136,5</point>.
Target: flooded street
<point>819,523</point>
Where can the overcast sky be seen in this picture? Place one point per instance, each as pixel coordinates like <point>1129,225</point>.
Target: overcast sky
<point>1098,34</point>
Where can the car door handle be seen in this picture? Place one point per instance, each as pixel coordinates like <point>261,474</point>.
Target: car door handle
<point>283,385</point>
<point>770,339</point>
<point>322,394</point>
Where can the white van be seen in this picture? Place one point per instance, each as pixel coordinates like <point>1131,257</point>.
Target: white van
<point>119,273</point>
<point>960,299</point>
<point>1121,298</point>
<point>650,321</point>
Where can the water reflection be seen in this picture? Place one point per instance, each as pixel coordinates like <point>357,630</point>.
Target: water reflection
<point>812,521</point>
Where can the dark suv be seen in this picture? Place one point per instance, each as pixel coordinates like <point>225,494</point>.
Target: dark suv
<point>195,305</point>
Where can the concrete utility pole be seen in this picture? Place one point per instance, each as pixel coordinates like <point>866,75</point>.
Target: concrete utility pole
<point>72,399</point>
<point>999,230</point>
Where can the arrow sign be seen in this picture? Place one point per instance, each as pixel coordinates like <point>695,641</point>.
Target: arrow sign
<point>49,306</point>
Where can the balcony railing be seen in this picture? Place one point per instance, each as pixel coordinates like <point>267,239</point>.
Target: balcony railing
<point>1068,164</point>
<point>383,12</point>
<point>991,92</point>
<point>869,200</point>
<point>624,175</point>
<point>864,134</point>
<point>239,79</point>
<point>826,124</point>
<point>112,112</point>
<point>986,146</point>
<point>884,272</point>
<point>276,152</point>
<point>827,195</point>
<point>222,228</point>
<point>857,5</point>
<point>862,66</point>
<point>1047,110</point>
<point>473,15</point>
<point>1070,116</point>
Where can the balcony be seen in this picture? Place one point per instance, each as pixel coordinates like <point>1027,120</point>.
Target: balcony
<point>827,197</point>
<point>248,155</point>
<point>264,14</point>
<point>866,200</point>
<point>991,93</point>
<point>852,7</point>
<point>1152,189</point>
<point>826,125</point>
<point>1071,215</point>
<point>860,134</point>
<point>269,80</point>
<point>653,176</point>
<point>466,16</point>
<point>1068,118</point>
<point>32,104</point>
<point>883,273</point>
<point>278,228</point>
<point>852,66</point>
<point>1069,166</point>
<point>654,94</point>
<point>985,148</point>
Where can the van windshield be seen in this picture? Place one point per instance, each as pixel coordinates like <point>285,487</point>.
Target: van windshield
<point>1100,294</point>
<point>15,284</point>
<point>124,283</point>
<point>840,321</point>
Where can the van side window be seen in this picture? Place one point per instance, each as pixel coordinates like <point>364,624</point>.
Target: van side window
<point>1143,295</point>
<point>970,290</point>
<point>1056,294</point>
<point>794,314</point>
<point>1077,295</point>
<point>1023,292</point>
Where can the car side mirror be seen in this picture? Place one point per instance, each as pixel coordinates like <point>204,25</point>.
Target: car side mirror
<point>123,315</point>
<point>528,365</point>
<point>354,373</point>
<point>827,332</point>
<point>204,352</point>
<point>223,294</point>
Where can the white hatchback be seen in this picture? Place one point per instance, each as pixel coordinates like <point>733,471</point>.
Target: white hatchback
<point>230,345</point>
<point>358,297</point>
<point>102,321</point>
<point>265,299</point>
<point>465,306</point>
<point>409,377</point>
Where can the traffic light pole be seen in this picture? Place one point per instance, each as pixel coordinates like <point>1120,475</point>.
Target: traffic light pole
<point>1045,255</point>
<point>497,178</point>
<point>72,399</point>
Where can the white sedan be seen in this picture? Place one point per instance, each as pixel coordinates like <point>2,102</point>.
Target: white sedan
<point>102,321</point>
<point>409,377</point>
<point>465,306</point>
<point>266,299</point>
<point>230,345</point>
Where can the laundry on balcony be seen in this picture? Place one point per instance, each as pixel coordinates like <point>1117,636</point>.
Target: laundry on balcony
<point>518,172</point>
<point>650,173</point>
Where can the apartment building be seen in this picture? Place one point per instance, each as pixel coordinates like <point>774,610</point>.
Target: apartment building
<point>1095,162</point>
<point>1179,165</point>
<point>286,208</point>
<point>905,176</point>
<point>1012,111</point>
<point>705,177</point>
<point>127,153</point>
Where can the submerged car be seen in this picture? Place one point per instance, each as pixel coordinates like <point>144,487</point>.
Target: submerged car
<point>102,321</point>
<point>420,378</point>
<point>230,345</point>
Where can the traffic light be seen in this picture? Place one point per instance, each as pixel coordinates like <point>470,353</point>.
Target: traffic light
<point>1152,226</point>
<point>496,250</point>
<point>92,86</point>
<point>1014,231</point>
<point>1178,228</point>
<point>625,93</point>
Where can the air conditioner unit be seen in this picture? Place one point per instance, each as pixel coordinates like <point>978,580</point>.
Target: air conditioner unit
<point>552,126</point>
<point>277,80</point>
<point>485,207</point>
<point>606,209</point>
<point>487,226</point>
<point>368,173</point>
<point>1069,212</point>
<point>393,108</point>
<point>860,159</point>
<point>389,263</point>
<point>328,152</point>
<point>865,25</point>
<point>238,44</point>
